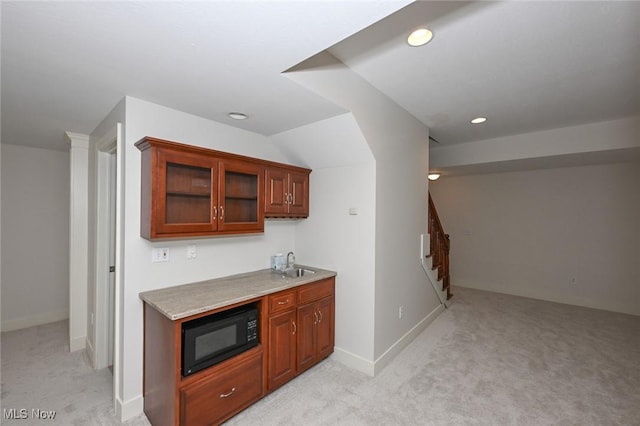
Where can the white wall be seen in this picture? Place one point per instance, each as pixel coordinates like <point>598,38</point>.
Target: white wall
<point>334,239</point>
<point>530,233</point>
<point>399,144</point>
<point>334,142</point>
<point>343,177</point>
<point>583,141</point>
<point>215,256</point>
<point>35,236</point>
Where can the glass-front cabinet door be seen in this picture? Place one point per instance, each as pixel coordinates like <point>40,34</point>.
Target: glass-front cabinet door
<point>187,194</point>
<point>189,191</point>
<point>241,204</point>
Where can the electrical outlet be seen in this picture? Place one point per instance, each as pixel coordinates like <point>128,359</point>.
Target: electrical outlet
<point>160,255</point>
<point>400,312</point>
<point>573,280</point>
<point>191,251</point>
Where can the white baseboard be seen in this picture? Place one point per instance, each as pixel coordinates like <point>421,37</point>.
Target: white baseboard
<point>408,337</point>
<point>371,368</point>
<point>34,320</point>
<point>130,409</point>
<point>77,343</point>
<point>91,353</point>
<point>354,361</point>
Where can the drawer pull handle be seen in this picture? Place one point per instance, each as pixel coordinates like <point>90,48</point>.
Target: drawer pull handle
<point>286,302</point>
<point>227,395</point>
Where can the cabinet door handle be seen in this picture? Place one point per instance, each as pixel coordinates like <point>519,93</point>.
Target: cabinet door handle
<point>286,198</point>
<point>221,212</point>
<point>290,198</point>
<point>283,303</point>
<point>227,395</point>
<point>315,314</point>
<point>320,315</point>
<point>215,213</point>
<point>294,327</point>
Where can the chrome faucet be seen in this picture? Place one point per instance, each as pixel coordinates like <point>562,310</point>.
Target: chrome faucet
<point>292,263</point>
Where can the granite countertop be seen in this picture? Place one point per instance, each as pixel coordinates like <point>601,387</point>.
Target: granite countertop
<point>190,299</point>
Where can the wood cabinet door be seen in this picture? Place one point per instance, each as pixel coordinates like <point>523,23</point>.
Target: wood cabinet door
<point>299,194</point>
<point>276,191</point>
<point>241,205</point>
<point>282,349</point>
<point>307,321</point>
<point>185,194</point>
<point>325,327</point>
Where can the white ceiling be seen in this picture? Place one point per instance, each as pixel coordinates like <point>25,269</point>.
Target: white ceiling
<point>526,66</point>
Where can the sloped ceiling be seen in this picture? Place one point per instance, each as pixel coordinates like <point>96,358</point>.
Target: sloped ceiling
<point>65,65</point>
<point>526,66</point>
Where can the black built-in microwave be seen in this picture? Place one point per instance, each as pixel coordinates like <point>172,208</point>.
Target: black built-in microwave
<point>214,338</point>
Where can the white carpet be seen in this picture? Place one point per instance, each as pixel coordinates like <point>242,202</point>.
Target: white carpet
<point>489,360</point>
<point>39,373</point>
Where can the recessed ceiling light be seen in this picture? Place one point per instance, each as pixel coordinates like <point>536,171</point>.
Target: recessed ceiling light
<point>420,37</point>
<point>238,116</point>
<point>479,120</point>
<point>433,176</point>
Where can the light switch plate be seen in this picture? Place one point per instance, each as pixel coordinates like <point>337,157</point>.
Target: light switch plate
<point>160,255</point>
<point>424,245</point>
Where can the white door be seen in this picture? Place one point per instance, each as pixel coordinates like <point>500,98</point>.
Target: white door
<point>105,256</point>
<point>112,260</point>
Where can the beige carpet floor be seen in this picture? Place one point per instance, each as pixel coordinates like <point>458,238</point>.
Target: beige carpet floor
<point>490,359</point>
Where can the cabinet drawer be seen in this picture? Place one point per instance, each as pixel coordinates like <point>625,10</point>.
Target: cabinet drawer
<point>315,291</point>
<point>282,301</point>
<point>218,397</point>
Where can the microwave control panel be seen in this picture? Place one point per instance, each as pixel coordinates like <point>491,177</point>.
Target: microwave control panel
<point>252,328</point>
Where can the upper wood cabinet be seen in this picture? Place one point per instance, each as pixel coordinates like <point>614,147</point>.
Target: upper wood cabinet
<point>287,192</point>
<point>242,206</point>
<point>189,191</point>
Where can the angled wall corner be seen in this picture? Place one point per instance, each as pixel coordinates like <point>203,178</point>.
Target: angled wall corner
<point>399,145</point>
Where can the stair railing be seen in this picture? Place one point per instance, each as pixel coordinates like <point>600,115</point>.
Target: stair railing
<point>439,248</point>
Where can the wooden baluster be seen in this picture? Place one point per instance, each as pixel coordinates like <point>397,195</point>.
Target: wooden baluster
<point>440,248</point>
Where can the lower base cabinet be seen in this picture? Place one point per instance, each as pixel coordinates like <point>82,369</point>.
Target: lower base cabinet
<point>300,334</point>
<point>315,338</point>
<point>282,349</point>
<point>296,332</point>
<point>214,399</point>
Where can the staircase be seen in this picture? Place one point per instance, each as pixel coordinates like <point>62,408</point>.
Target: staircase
<point>438,255</point>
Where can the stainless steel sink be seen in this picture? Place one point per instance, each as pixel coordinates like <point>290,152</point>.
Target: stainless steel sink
<point>298,272</point>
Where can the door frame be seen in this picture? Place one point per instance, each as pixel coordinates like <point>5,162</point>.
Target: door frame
<point>104,302</point>
<point>114,141</point>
